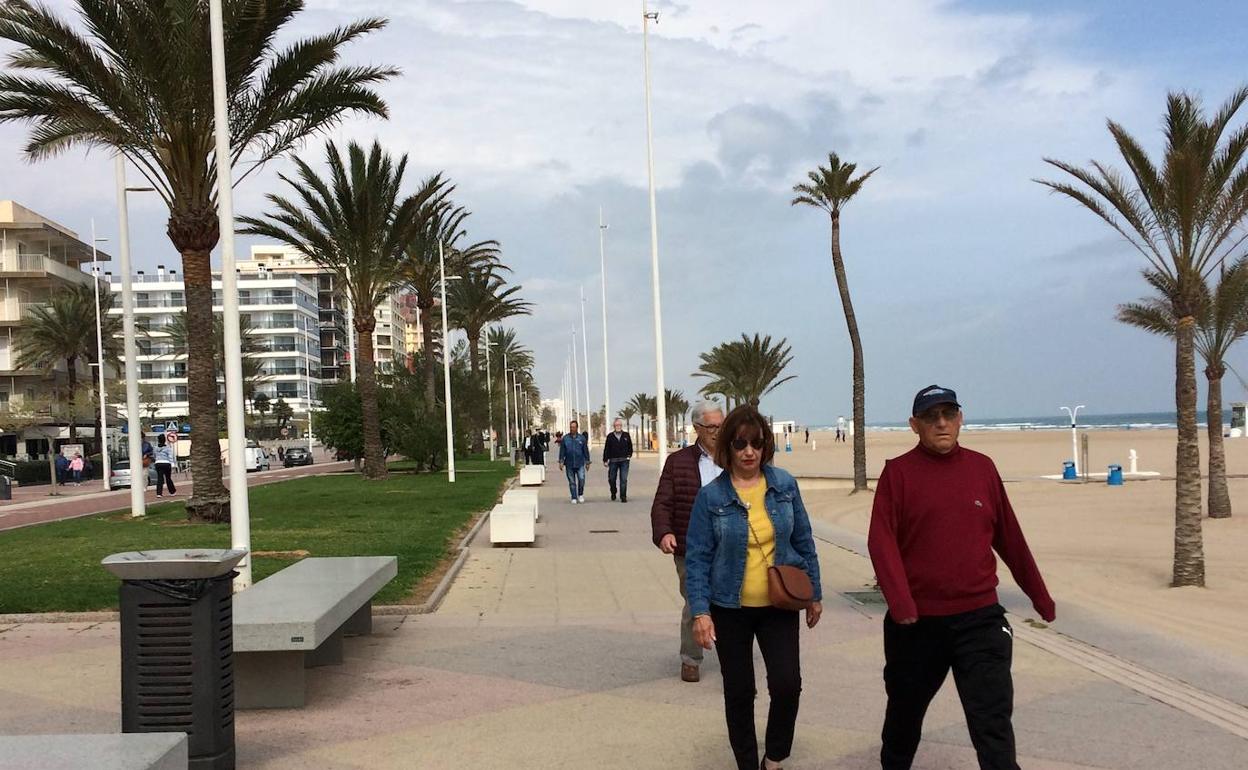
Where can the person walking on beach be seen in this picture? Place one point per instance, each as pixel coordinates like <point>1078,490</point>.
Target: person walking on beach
<point>165,459</point>
<point>616,454</point>
<point>574,461</point>
<point>749,519</point>
<point>684,474</point>
<point>840,427</point>
<point>940,511</point>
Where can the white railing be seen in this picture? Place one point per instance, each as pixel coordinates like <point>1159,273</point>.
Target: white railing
<point>41,263</point>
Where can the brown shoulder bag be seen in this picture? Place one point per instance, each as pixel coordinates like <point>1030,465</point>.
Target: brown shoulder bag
<point>788,588</point>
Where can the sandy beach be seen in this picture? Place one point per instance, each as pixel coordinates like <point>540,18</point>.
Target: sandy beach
<point>1107,549</point>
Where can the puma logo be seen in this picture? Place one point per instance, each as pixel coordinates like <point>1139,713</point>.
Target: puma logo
<point>1008,631</point>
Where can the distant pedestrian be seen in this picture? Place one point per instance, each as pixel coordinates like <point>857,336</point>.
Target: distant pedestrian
<point>281,455</point>
<point>539,446</point>
<point>75,468</point>
<point>165,458</point>
<point>574,461</point>
<point>840,428</point>
<point>807,440</point>
<point>748,520</point>
<point>684,475</point>
<point>616,455</point>
<point>62,468</point>
<point>939,512</point>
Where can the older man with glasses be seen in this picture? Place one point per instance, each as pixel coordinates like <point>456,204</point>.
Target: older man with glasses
<point>939,512</point>
<point>684,475</point>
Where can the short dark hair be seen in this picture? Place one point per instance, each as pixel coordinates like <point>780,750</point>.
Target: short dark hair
<point>743,422</point>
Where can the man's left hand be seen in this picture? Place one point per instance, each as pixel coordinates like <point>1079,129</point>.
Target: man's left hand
<point>813,613</point>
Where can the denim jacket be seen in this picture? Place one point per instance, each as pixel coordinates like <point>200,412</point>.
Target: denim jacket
<point>573,451</point>
<point>719,534</point>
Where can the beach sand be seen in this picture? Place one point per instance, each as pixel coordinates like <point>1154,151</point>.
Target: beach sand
<point>1107,549</point>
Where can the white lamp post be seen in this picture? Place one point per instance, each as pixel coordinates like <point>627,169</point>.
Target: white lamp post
<point>138,474</point>
<point>446,372</point>
<point>660,389</point>
<point>606,374</point>
<point>576,373</point>
<point>99,357</point>
<point>589,408</point>
<point>489,392</point>
<point>240,515</point>
<point>511,457</point>
<point>1074,433</point>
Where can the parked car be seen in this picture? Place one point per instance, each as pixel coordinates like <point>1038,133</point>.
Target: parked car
<point>119,475</point>
<point>297,456</point>
<point>255,459</point>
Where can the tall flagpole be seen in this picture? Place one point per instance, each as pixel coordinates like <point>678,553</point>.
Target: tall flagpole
<point>240,514</point>
<point>606,375</point>
<point>660,389</point>
<point>134,421</point>
<point>576,387</point>
<point>446,373</point>
<point>489,390</point>
<point>589,409</point>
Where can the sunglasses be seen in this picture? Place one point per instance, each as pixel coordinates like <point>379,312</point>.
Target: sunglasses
<point>932,416</point>
<point>711,429</point>
<point>740,444</point>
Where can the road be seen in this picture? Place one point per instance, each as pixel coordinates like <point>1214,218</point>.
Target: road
<point>79,502</point>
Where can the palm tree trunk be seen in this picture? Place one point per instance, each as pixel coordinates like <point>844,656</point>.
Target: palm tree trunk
<point>474,362</point>
<point>855,341</point>
<point>1189,557</point>
<point>71,369</point>
<point>366,381</point>
<point>1219,495</point>
<point>426,334</point>
<point>209,501</point>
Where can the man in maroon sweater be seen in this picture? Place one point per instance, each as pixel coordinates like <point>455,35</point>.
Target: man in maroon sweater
<point>940,511</point>
<point>684,475</point>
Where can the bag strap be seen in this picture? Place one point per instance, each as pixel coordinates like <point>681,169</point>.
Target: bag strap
<point>755,534</point>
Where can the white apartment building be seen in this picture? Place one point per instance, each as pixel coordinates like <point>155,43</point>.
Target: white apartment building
<point>389,338</point>
<point>284,318</point>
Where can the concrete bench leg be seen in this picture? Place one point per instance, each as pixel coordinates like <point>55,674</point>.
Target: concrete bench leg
<point>269,680</point>
<point>361,623</point>
<point>328,654</point>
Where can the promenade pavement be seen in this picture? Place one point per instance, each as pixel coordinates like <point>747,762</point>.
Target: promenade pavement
<point>564,655</point>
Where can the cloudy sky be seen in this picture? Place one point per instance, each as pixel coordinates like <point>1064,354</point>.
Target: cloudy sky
<point>963,270</point>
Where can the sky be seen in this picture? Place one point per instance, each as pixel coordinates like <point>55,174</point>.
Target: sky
<point>963,270</point>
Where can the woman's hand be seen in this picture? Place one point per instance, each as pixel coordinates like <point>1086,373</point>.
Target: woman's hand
<point>704,631</point>
<point>813,613</point>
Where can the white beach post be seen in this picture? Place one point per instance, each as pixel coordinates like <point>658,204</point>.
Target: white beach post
<point>1074,434</point>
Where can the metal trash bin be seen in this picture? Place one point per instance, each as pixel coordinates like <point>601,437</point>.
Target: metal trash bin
<point>1114,477</point>
<point>177,651</point>
<point>6,488</point>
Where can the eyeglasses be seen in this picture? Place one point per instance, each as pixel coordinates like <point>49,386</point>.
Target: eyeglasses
<point>933,416</point>
<point>711,429</point>
<point>740,444</point>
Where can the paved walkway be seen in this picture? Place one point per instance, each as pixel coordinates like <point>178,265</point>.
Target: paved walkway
<point>564,656</point>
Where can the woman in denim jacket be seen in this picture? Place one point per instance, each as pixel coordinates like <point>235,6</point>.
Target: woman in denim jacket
<point>748,519</point>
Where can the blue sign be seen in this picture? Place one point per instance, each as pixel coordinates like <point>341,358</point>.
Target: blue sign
<point>186,427</point>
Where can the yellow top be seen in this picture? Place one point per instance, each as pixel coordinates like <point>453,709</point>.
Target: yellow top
<point>761,544</point>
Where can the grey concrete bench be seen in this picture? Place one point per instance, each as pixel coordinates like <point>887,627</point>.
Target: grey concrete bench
<point>296,619</point>
<point>117,751</point>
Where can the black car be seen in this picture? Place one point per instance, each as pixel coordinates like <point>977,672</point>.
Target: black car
<point>297,456</point>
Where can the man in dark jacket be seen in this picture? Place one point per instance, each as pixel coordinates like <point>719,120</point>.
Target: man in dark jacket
<point>684,475</point>
<point>616,455</point>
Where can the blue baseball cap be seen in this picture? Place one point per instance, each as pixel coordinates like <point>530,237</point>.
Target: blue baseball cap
<point>931,396</point>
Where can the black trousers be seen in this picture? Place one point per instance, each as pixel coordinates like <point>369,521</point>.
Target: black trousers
<point>777,634</point>
<point>978,646</point>
<point>164,475</point>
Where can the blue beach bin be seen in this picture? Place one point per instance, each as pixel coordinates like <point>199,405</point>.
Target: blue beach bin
<point>1115,475</point>
<point>1068,470</point>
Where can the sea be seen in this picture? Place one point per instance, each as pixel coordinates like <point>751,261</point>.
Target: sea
<point>1128,421</point>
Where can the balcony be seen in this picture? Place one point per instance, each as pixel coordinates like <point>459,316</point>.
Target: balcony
<point>41,263</point>
<point>14,310</point>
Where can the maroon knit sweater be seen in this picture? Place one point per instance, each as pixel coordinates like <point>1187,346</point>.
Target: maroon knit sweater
<point>936,521</point>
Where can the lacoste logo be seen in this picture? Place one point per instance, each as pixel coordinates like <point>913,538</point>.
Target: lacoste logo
<point>978,504</point>
<point>1008,631</point>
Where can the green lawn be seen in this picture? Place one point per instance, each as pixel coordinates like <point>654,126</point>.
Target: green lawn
<point>53,567</point>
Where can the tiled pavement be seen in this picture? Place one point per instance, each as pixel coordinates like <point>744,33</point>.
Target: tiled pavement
<point>564,656</point>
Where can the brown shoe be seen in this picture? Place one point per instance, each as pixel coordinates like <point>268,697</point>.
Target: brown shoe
<point>689,673</point>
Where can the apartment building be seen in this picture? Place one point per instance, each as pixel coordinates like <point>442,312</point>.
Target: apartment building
<point>38,257</point>
<point>284,317</point>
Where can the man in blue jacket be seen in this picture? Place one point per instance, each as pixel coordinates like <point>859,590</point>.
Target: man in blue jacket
<point>574,461</point>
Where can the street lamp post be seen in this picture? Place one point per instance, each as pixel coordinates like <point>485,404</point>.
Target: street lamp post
<point>661,409</point>
<point>138,475</point>
<point>240,515</point>
<point>1074,433</point>
<point>511,457</point>
<point>489,392</point>
<point>589,408</point>
<point>576,386</point>
<point>606,374</point>
<point>446,372</point>
<point>99,357</point>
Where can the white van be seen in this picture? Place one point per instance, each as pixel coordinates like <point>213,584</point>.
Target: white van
<point>255,459</point>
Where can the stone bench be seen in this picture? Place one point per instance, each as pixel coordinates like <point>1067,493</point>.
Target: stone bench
<point>531,476</point>
<point>523,497</point>
<point>115,751</point>
<point>296,619</point>
<point>512,524</point>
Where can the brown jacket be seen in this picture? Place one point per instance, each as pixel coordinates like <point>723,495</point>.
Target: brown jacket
<point>679,484</point>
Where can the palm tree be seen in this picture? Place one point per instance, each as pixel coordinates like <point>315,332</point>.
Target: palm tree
<point>745,370</point>
<point>676,406</point>
<point>830,188</point>
<point>137,80</point>
<point>627,414</point>
<point>1184,218</point>
<point>479,299</point>
<point>60,331</point>
<point>1221,321</point>
<point>355,224</point>
<point>441,223</point>
<point>640,404</point>
<point>506,348</point>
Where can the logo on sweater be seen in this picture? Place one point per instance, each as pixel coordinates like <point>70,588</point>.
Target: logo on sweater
<point>978,504</point>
